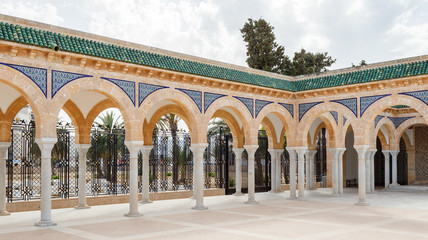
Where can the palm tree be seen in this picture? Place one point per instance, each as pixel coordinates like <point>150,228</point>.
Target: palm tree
<point>110,121</point>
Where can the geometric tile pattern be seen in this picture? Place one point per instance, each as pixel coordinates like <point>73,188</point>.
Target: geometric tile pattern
<point>350,103</point>
<point>248,102</point>
<point>127,86</point>
<point>196,96</point>
<point>335,116</point>
<point>397,121</point>
<point>304,107</point>
<point>209,98</point>
<point>344,120</point>
<point>365,102</point>
<point>377,119</point>
<point>421,95</point>
<point>60,78</point>
<point>289,107</point>
<point>38,75</point>
<point>421,153</point>
<point>145,90</point>
<point>260,104</point>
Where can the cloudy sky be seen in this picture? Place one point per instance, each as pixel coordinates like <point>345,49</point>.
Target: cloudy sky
<point>374,30</point>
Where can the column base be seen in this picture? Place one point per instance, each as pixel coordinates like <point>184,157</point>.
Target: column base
<point>45,224</point>
<point>192,197</point>
<point>361,204</point>
<point>394,185</point>
<point>292,198</point>
<point>199,207</point>
<point>237,194</point>
<point>146,201</point>
<point>5,213</point>
<point>82,207</point>
<point>133,214</point>
<point>302,199</point>
<point>252,201</point>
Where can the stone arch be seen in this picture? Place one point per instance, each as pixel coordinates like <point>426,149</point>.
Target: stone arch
<point>240,114</point>
<point>110,90</point>
<point>388,126</point>
<point>401,130</point>
<point>285,118</point>
<point>379,106</point>
<point>237,132</point>
<point>169,100</point>
<point>31,94</point>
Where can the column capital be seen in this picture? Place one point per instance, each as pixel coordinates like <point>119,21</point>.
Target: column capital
<point>251,149</point>
<point>370,153</point>
<point>134,147</point>
<point>394,153</point>
<point>198,148</point>
<point>46,142</point>
<point>4,145</point>
<point>361,150</point>
<point>311,154</point>
<point>83,146</point>
<point>301,150</point>
<point>146,149</point>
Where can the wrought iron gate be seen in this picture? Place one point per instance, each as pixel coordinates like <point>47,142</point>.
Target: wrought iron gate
<point>285,165</point>
<point>321,155</point>
<point>262,164</point>
<point>171,162</point>
<point>402,164</point>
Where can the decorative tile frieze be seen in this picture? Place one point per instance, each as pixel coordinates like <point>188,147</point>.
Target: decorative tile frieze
<point>397,121</point>
<point>344,120</point>
<point>127,86</point>
<point>145,89</point>
<point>248,102</point>
<point>260,104</point>
<point>421,95</point>
<point>365,102</point>
<point>289,107</point>
<point>304,107</point>
<point>196,96</point>
<point>350,103</point>
<point>209,98</point>
<point>335,116</point>
<point>38,75</point>
<point>377,119</point>
<point>60,79</point>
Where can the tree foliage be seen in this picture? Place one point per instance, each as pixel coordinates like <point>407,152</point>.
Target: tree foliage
<point>266,54</point>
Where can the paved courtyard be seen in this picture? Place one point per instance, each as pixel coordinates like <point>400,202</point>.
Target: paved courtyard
<point>390,215</point>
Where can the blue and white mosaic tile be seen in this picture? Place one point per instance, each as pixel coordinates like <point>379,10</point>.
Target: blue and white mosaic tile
<point>248,102</point>
<point>38,75</point>
<point>377,119</point>
<point>196,96</point>
<point>335,116</point>
<point>289,107</point>
<point>365,102</point>
<point>304,107</point>
<point>397,121</point>
<point>344,120</point>
<point>60,78</point>
<point>145,89</point>
<point>209,98</point>
<point>350,103</point>
<point>260,104</point>
<point>421,95</point>
<point>127,86</point>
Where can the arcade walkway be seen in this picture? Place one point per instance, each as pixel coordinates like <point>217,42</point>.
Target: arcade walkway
<point>391,215</point>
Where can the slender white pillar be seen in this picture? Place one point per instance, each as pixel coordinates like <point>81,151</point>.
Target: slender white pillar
<point>394,155</point>
<point>251,150</point>
<point>278,153</point>
<point>301,151</point>
<point>292,153</point>
<point>198,150</point>
<point>83,150</point>
<point>361,150</point>
<point>367,167</point>
<point>340,152</point>
<point>334,172</point>
<point>134,147</point>
<point>146,173</point>
<point>312,170</point>
<point>3,151</point>
<point>238,171</point>
<point>386,153</point>
<point>372,171</point>
<point>307,171</point>
<point>45,145</point>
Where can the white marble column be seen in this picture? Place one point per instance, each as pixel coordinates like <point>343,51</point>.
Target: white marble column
<point>372,171</point>
<point>146,173</point>
<point>367,167</point>
<point>386,153</point>
<point>292,153</point>
<point>312,171</point>
<point>278,153</point>
<point>334,171</point>
<point>251,150</point>
<point>238,171</point>
<point>83,150</point>
<point>45,145</point>
<point>3,156</point>
<point>301,151</point>
<point>394,155</point>
<point>340,152</point>
<point>198,150</point>
<point>361,150</point>
<point>134,147</point>
<point>307,172</point>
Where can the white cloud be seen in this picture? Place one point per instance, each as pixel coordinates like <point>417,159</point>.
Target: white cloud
<point>42,12</point>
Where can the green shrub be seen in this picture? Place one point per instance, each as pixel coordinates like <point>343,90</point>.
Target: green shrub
<point>169,174</point>
<point>211,174</point>
<point>231,182</point>
<point>55,177</point>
